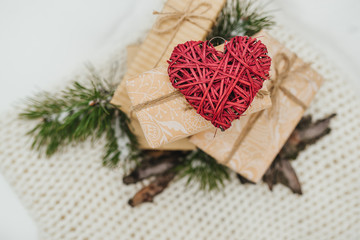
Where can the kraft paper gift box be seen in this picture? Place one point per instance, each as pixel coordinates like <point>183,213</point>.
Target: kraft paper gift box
<point>252,143</point>
<point>171,119</point>
<point>157,48</point>
<point>182,144</point>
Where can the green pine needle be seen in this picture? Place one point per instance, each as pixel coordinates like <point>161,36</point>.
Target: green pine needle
<point>240,17</point>
<point>202,168</point>
<point>77,113</point>
<point>113,149</point>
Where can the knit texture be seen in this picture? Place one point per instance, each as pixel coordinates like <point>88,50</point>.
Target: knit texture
<point>70,196</point>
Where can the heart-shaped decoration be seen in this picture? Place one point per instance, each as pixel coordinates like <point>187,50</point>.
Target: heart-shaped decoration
<point>220,85</point>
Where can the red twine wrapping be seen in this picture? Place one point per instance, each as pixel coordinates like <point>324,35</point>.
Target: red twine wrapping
<point>220,85</point>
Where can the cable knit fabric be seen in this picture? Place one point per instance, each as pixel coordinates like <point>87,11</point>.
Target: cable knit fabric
<point>71,196</point>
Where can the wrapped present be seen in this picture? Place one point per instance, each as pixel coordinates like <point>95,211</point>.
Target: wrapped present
<point>252,143</point>
<point>178,22</point>
<point>164,113</point>
<point>182,144</point>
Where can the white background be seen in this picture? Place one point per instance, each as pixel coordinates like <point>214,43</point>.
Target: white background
<point>43,42</point>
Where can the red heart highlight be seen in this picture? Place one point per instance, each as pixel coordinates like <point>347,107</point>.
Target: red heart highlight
<point>220,85</point>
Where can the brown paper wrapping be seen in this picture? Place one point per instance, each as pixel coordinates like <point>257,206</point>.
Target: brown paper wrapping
<point>174,118</point>
<point>157,48</point>
<point>131,51</point>
<point>269,133</point>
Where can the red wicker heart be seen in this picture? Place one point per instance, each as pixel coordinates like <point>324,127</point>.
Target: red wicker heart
<point>220,85</point>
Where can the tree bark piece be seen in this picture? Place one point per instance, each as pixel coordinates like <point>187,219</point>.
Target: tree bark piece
<point>154,163</point>
<point>305,133</point>
<point>148,193</point>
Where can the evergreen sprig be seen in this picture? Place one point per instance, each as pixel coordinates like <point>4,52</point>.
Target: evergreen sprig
<point>79,112</point>
<point>200,167</point>
<point>240,17</point>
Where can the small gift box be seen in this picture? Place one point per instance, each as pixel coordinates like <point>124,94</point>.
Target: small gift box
<point>253,141</point>
<point>178,22</point>
<point>182,144</point>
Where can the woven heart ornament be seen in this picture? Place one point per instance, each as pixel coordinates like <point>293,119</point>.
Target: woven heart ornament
<point>220,85</point>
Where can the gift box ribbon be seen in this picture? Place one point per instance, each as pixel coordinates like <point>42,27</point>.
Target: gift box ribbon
<point>180,16</point>
<point>175,94</point>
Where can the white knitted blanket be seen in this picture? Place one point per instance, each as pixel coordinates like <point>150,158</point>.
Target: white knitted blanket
<point>70,196</point>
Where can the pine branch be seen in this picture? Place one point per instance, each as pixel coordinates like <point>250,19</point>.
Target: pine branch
<point>200,167</point>
<point>119,138</point>
<point>77,113</point>
<point>240,17</point>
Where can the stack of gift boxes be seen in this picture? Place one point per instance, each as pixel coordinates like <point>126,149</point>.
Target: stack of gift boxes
<point>253,141</point>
